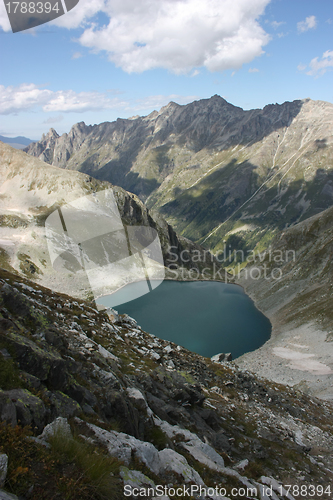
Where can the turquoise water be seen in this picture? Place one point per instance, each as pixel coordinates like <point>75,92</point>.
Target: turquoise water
<point>205,317</point>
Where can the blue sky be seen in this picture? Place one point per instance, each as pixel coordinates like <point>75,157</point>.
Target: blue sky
<point>119,58</point>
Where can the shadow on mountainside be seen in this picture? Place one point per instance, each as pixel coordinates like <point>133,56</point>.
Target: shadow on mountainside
<point>225,196</point>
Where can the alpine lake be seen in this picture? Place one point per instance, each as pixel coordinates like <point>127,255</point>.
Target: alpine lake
<point>206,317</point>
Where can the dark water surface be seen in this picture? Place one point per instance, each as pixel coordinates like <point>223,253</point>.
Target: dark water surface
<point>205,317</point>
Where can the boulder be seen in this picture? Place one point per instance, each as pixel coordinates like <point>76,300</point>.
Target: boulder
<point>219,358</point>
<point>59,425</point>
<point>123,446</point>
<point>171,461</point>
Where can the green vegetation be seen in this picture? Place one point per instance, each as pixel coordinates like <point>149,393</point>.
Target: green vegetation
<point>69,470</point>
<point>9,374</point>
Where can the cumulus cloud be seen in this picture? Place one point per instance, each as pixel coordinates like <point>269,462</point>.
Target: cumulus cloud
<point>309,23</point>
<point>22,98</point>
<point>179,35</point>
<point>320,66</point>
<point>253,70</point>
<point>29,96</point>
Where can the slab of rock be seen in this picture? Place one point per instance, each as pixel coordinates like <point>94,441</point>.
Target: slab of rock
<point>171,461</point>
<point>3,468</point>
<point>7,496</point>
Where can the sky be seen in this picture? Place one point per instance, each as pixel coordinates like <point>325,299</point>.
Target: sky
<point>109,59</point>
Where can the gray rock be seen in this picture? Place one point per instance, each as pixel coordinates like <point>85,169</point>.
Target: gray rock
<point>7,409</point>
<point>122,446</point>
<point>3,468</point>
<point>7,496</point>
<point>30,410</point>
<point>171,461</point>
<point>218,357</point>
<point>59,425</point>
<point>135,478</point>
<point>63,405</point>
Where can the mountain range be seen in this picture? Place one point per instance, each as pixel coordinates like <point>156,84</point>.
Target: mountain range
<point>16,142</point>
<point>211,168</point>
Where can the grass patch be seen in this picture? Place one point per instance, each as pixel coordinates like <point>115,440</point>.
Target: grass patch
<point>98,468</point>
<point>69,470</point>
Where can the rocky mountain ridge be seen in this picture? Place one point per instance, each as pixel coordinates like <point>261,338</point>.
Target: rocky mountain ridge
<point>210,167</point>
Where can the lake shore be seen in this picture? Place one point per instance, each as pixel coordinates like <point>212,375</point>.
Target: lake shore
<point>296,354</point>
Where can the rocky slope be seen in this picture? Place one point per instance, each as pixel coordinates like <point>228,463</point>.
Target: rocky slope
<point>110,406</point>
<point>212,168</point>
<point>30,190</point>
<point>294,290</point>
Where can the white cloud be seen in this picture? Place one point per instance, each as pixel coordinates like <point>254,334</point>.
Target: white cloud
<point>301,67</point>
<point>276,24</point>
<point>29,96</point>
<point>68,100</point>
<point>309,23</point>
<point>77,55</point>
<point>84,10</point>
<point>179,35</point>
<point>22,98</point>
<point>253,70</point>
<point>319,67</point>
<point>54,119</point>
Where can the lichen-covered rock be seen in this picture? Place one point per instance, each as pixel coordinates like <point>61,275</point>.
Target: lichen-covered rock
<point>30,410</point>
<point>63,405</point>
<point>7,409</point>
